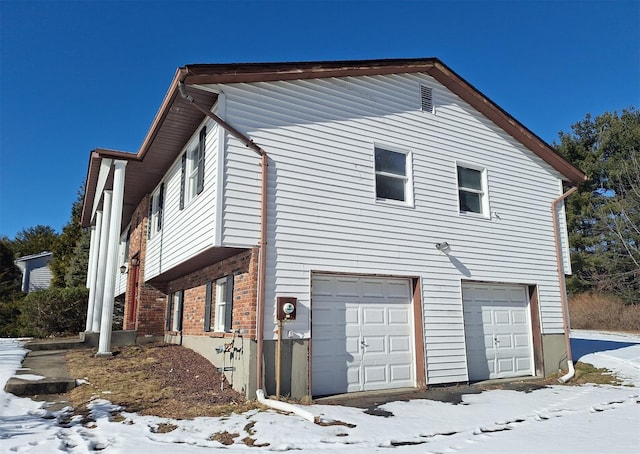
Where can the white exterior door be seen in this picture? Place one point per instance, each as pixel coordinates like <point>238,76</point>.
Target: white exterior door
<point>362,334</point>
<point>498,335</point>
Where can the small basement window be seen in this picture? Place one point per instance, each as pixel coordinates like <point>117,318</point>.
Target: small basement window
<point>472,190</point>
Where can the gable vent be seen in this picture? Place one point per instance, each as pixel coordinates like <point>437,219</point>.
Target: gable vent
<point>426,98</point>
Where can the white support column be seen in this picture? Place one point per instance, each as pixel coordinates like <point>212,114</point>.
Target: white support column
<point>102,262</point>
<point>104,345</point>
<point>92,252</point>
<point>93,269</point>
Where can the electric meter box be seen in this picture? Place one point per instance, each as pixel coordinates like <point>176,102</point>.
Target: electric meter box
<point>286,308</point>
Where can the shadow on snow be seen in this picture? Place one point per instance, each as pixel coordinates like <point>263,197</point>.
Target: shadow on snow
<point>582,347</point>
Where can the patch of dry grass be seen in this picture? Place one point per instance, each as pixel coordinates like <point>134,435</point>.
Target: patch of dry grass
<point>585,373</point>
<point>226,438</point>
<point>162,380</point>
<point>595,311</point>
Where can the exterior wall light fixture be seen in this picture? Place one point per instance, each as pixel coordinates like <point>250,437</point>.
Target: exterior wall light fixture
<point>123,269</point>
<point>443,247</point>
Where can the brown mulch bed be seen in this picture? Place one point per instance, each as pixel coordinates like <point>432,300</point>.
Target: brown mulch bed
<point>155,379</point>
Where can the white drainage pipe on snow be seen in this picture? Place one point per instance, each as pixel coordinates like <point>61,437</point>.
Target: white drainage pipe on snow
<point>284,406</point>
<point>569,375</point>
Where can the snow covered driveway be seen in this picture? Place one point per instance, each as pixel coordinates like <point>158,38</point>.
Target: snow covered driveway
<point>585,419</point>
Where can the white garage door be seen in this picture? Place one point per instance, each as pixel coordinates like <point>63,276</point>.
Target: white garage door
<point>497,331</point>
<point>362,335</point>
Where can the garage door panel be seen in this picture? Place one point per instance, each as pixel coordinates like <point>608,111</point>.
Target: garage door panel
<point>399,289</point>
<point>523,364</point>
<point>505,365</point>
<point>352,345</point>
<point>520,318</point>
<point>502,342</point>
<point>399,344</point>
<point>372,288</point>
<point>400,373</point>
<point>353,380</point>
<point>347,287</point>
<point>351,316</point>
<point>375,376</point>
<point>398,316</point>
<point>373,316</point>
<point>375,344</point>
<point>373,311</point>
<point>502,317</point>
<point>521,340</point>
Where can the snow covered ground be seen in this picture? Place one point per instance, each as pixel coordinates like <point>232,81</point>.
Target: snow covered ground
<point>567,419</point>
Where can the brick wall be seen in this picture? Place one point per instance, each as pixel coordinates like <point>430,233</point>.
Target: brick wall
<point>149,308</point>
<point>244,268</point>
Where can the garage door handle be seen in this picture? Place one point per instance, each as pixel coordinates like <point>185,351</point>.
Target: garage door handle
<point>363,343</point>
<point>496,341</point>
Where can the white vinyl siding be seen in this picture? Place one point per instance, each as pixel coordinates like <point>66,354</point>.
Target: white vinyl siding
<point>188,231</point>
<point>321,217</point>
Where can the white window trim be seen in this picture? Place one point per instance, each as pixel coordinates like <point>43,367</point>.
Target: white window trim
<point>484,193</point>
<point>176,310</point>
<point>155,210</point>
<point>191,165</point>
<point>191,174</point>
<point>408,186</point>
<point>221,304</point>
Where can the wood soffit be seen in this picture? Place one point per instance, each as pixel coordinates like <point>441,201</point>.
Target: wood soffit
<point>176,121</point>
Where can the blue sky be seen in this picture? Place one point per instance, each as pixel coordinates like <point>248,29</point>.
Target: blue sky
<point>80,75</point>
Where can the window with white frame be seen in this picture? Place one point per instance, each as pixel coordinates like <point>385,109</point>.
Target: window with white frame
<point>156,211</point>
<point>177,302</point>
<point>393,175</point>
<point>224,304</point>
<point>192,173</point>
<point>472,189</point>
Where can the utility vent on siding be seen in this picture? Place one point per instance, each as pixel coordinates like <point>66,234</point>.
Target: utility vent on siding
<point>426,98</point>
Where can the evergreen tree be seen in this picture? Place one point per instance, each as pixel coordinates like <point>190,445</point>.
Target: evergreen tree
<point>76,272</point>
<point>604,214</point>
<point>10,274</point>
<point>34,240</point>
<point>65,248</point>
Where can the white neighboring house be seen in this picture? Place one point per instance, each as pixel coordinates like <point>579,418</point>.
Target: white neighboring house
<point>36,274</point>
<point>417,228</point>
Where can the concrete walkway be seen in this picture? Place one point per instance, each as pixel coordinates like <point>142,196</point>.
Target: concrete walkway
<point>44,375</point>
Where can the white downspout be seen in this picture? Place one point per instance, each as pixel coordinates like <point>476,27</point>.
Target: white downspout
<point>284,406</point>
<point>561,281</point>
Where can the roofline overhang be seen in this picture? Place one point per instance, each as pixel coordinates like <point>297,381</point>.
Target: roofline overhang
<point>228,73</point>
<point>200,74</point>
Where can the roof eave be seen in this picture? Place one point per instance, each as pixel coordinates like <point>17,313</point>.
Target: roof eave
<point>447,77</point>
<point>264,72</point>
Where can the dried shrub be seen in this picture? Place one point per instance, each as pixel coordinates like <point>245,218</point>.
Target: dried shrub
<point>55,311</point>
<point>597,311</point>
